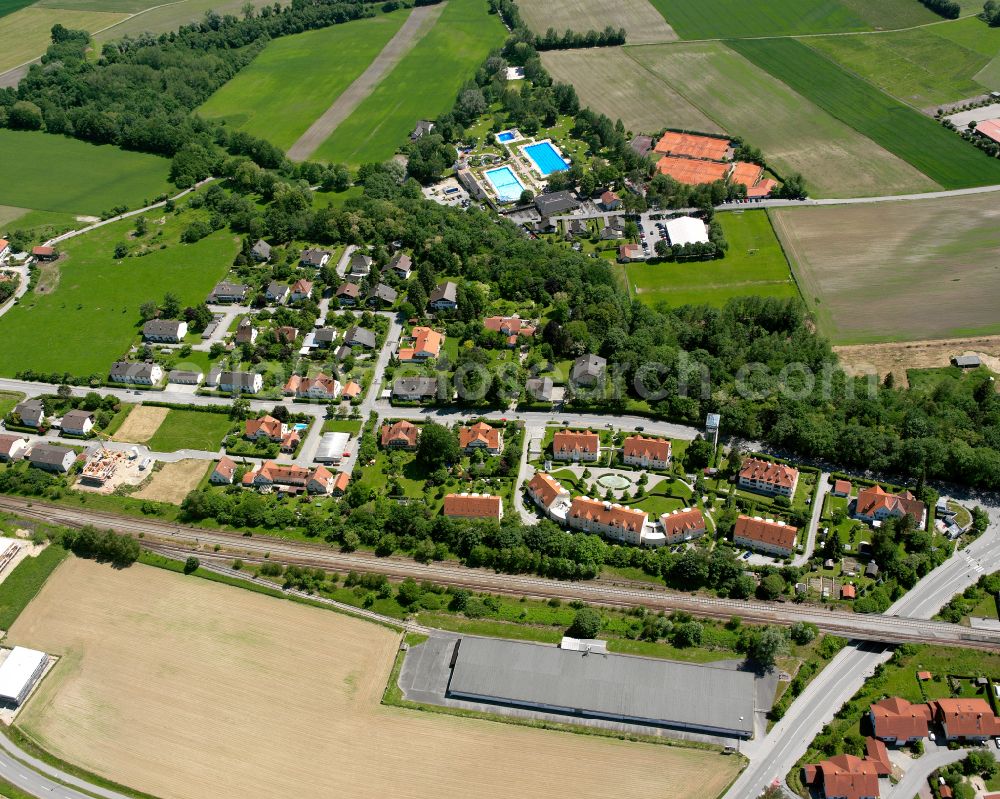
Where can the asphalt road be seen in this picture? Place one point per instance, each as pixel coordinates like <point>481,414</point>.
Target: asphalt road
<point>39,779</point>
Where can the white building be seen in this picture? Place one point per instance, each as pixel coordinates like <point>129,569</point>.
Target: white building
<point>687,230</point>
<point>19,673</point>
<point>332,448</point>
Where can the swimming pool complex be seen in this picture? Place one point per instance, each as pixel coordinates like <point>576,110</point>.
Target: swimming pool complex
<point>505,183</point>
<point>507,136</point>
<point>546,158</point>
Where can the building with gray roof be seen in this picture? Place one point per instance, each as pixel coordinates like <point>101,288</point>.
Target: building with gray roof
<point>360,337</point>
<point>170,331</point>
<point>591,684</point>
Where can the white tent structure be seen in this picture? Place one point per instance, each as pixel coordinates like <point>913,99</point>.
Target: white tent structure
<point>687,230</point>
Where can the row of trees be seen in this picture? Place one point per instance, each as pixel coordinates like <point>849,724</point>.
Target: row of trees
<point>949,9</point>
<point>511,15</point>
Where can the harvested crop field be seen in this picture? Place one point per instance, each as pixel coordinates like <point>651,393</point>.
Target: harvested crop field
<point>862,359</point>
<point>642,23</point>
<point>141,424</point>
<point>174,481</point>
<point>897,271</point>
<point>263,697</point>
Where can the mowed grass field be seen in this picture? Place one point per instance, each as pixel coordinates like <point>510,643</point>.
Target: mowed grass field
<point>917,139</point>
<point>709,19</point>
<point>263,697</point>
<point>26,33</point>
<point>795,134</point>
<point>641,21</point>
<point>897,271</point>
<point>298,77</point>
<point>755,264</point>
<point>91,316</point>
<point>422,85</point>
<point>56,173</point>
<point>185,429</point>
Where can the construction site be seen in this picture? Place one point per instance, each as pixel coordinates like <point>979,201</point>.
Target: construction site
<point>105,470</point>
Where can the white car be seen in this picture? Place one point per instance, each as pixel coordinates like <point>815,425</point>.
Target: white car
<point>996,741</point>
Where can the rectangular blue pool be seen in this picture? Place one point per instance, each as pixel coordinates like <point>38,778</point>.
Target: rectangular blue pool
<point>546,158</point>
<point>506,136</point>
<point>505,182</point>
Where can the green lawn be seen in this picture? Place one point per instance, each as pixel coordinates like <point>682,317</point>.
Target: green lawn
<point>296,78</point>
<point>8,399</point>
<point>55,173</point>
<point>755,264</point>
<point>40,225</point>
<point>423,85</point>
<point>917,139</point>
<point>352,426</point>
<point>183,429</point>
<point>27,579</point>
<point>93,313</point>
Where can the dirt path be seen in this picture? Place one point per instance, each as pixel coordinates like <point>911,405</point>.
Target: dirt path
<point>420,21</point>
<point>863,359</point>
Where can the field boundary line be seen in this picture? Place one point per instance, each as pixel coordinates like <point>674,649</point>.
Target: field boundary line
<point>421,20</point>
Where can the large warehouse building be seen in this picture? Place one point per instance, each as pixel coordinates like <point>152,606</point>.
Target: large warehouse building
<point>19,672</point>
<point>622,688</point>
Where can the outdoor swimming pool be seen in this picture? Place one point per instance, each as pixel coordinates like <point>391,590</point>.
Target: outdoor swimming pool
<point>300,426</point>
<point>505,182</point>
<point>508,136</point>
<point>546,158</point>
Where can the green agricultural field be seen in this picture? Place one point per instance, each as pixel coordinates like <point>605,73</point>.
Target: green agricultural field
<point>183,429</point>
<point>93,311</point>
<point>920,67</point>
<point>422,85</point>
<point>10,6</point>
<point>795,135</point>
<point>917,139</point>
<point>26,33</point>
<point>8,399</point>
<point>27,579</point>
<point>55,173</point>
<point>42,225</point>
<point>755,264</point>
<point>298,77</point>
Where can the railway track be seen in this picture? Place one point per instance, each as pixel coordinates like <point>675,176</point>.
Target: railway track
<point>179,541</point>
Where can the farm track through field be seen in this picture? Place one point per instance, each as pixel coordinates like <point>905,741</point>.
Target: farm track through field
<point>420,21</point>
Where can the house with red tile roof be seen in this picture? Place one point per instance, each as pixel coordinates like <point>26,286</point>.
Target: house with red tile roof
<point>765,535</point>
<point>426,344</point>
<point>606,518</point>
<point>301,290</point>
<point>683,525</point>
<point>630,252</point>
<point>576,445</point>
<point>223,472</point>
<point>962,719</point>
<point>510,326</point>
<point>473,506</point>
<point>265,427</point>
<point>400,435</point>
<point>340,483</point>
<point>351,390</point>
<point>4,248</point>
<point>290,441</point>
<point>767,477</point>
<point>549,495</point>
<point>480,436</point>
<point>989,128</point>
<point>874,504</point>
<point>897,721</point>
<point>876,752</point>
<point>290,477</point>
<point>762,190</point>
<point>848,591</point>
<point>321,387</point>
<point>646,452</point>
<point>610,201</point>
<point>843,777</point>
<point>841,488</point>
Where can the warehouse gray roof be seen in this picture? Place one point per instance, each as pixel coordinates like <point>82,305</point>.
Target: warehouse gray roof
<point>611,686</point>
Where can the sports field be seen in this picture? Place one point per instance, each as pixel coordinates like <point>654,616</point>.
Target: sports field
<point>297,77</point>
<point>917,139</point>
<point>641,21</point>
<point>94,310</point>
<point>26,33</point>
<point>263,697</point>
<point>709,19</point>
<point>897,271</point>
<point>421,86</point>
<point>795,134</point>
<point>185,429</point>
<point>610,81</point>
<point>55,173</point>
<point>754,265</point>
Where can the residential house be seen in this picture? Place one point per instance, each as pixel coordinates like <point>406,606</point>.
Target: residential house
<point>360,337</point>
<point>642,145</point>
<point>426,345</point>
<point>351,390</point>
<point>320,387</point>
<point>444,297</point>
<point>240,382</point>
<point>359,266</point>
<point>261,251</point>
<point>539,388</point>
<point>316,259</point>
<point>347,294</point>
<point>382,296</point>
<point>968,720</point>
<point>556,202</point>
<point>876,505</point>
<point>615,229</point>
<point>325,336</point>
<point>168,331</point>
<point>765,535</point>
<point>224,472</point>
<point>400,435</point>
<point>246,333</point>
<point>290,477</point>
<point>302,289</point>
<point>290,441</point>
<point>78,423</point>
<point>44,253</point>
<point>576,445</point>
<point>265,428</point>
<point>143,373</point>
<point>50,458</point>
<point>277,292</point>
<point>30,412</point>
<point>648,453</point>
<point>843,777</point>
<point>876,752</point>
<point>226,292</point>
<point>610,201</point>
<point>630,252</point>
<point>401,264</point>
<point>414,389</point>
<point>480,436</point>
<point>683,525</point>
<point>185,377</point>
<point>767,477</point>
<point>340,483</point>
<point>4,249</point>
<point>421,129</point>
<point>578,229</point>
<point>473,506</point>
<point>549,495</point>
<point>588,371</point>
<point>285,334</point>
<point>513,327</point>
<point>841,488</point>
<point>609,519</point>
<point>12,448</point>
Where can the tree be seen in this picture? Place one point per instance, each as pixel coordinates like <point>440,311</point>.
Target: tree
<point>802,632</point>
<point>24,115</point>
<point>771,587</point>
<point>699,454</point>
<point>438,446</point>
<point>832,547</point>
<point>764,645</point>
<point>147,310</point>
<point>408,593</point>
<point>191,565</point>
<point>171,307</point>
<point>240,409</point>
<point>586,624</point>
<point>981,763</point>
<point>64,391</point>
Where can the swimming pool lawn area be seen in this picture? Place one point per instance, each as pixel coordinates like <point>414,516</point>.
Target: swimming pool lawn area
<point>546,158</point>
<point>505,182</point>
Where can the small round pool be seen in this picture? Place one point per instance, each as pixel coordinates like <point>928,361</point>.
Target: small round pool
<point>614,481</point>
